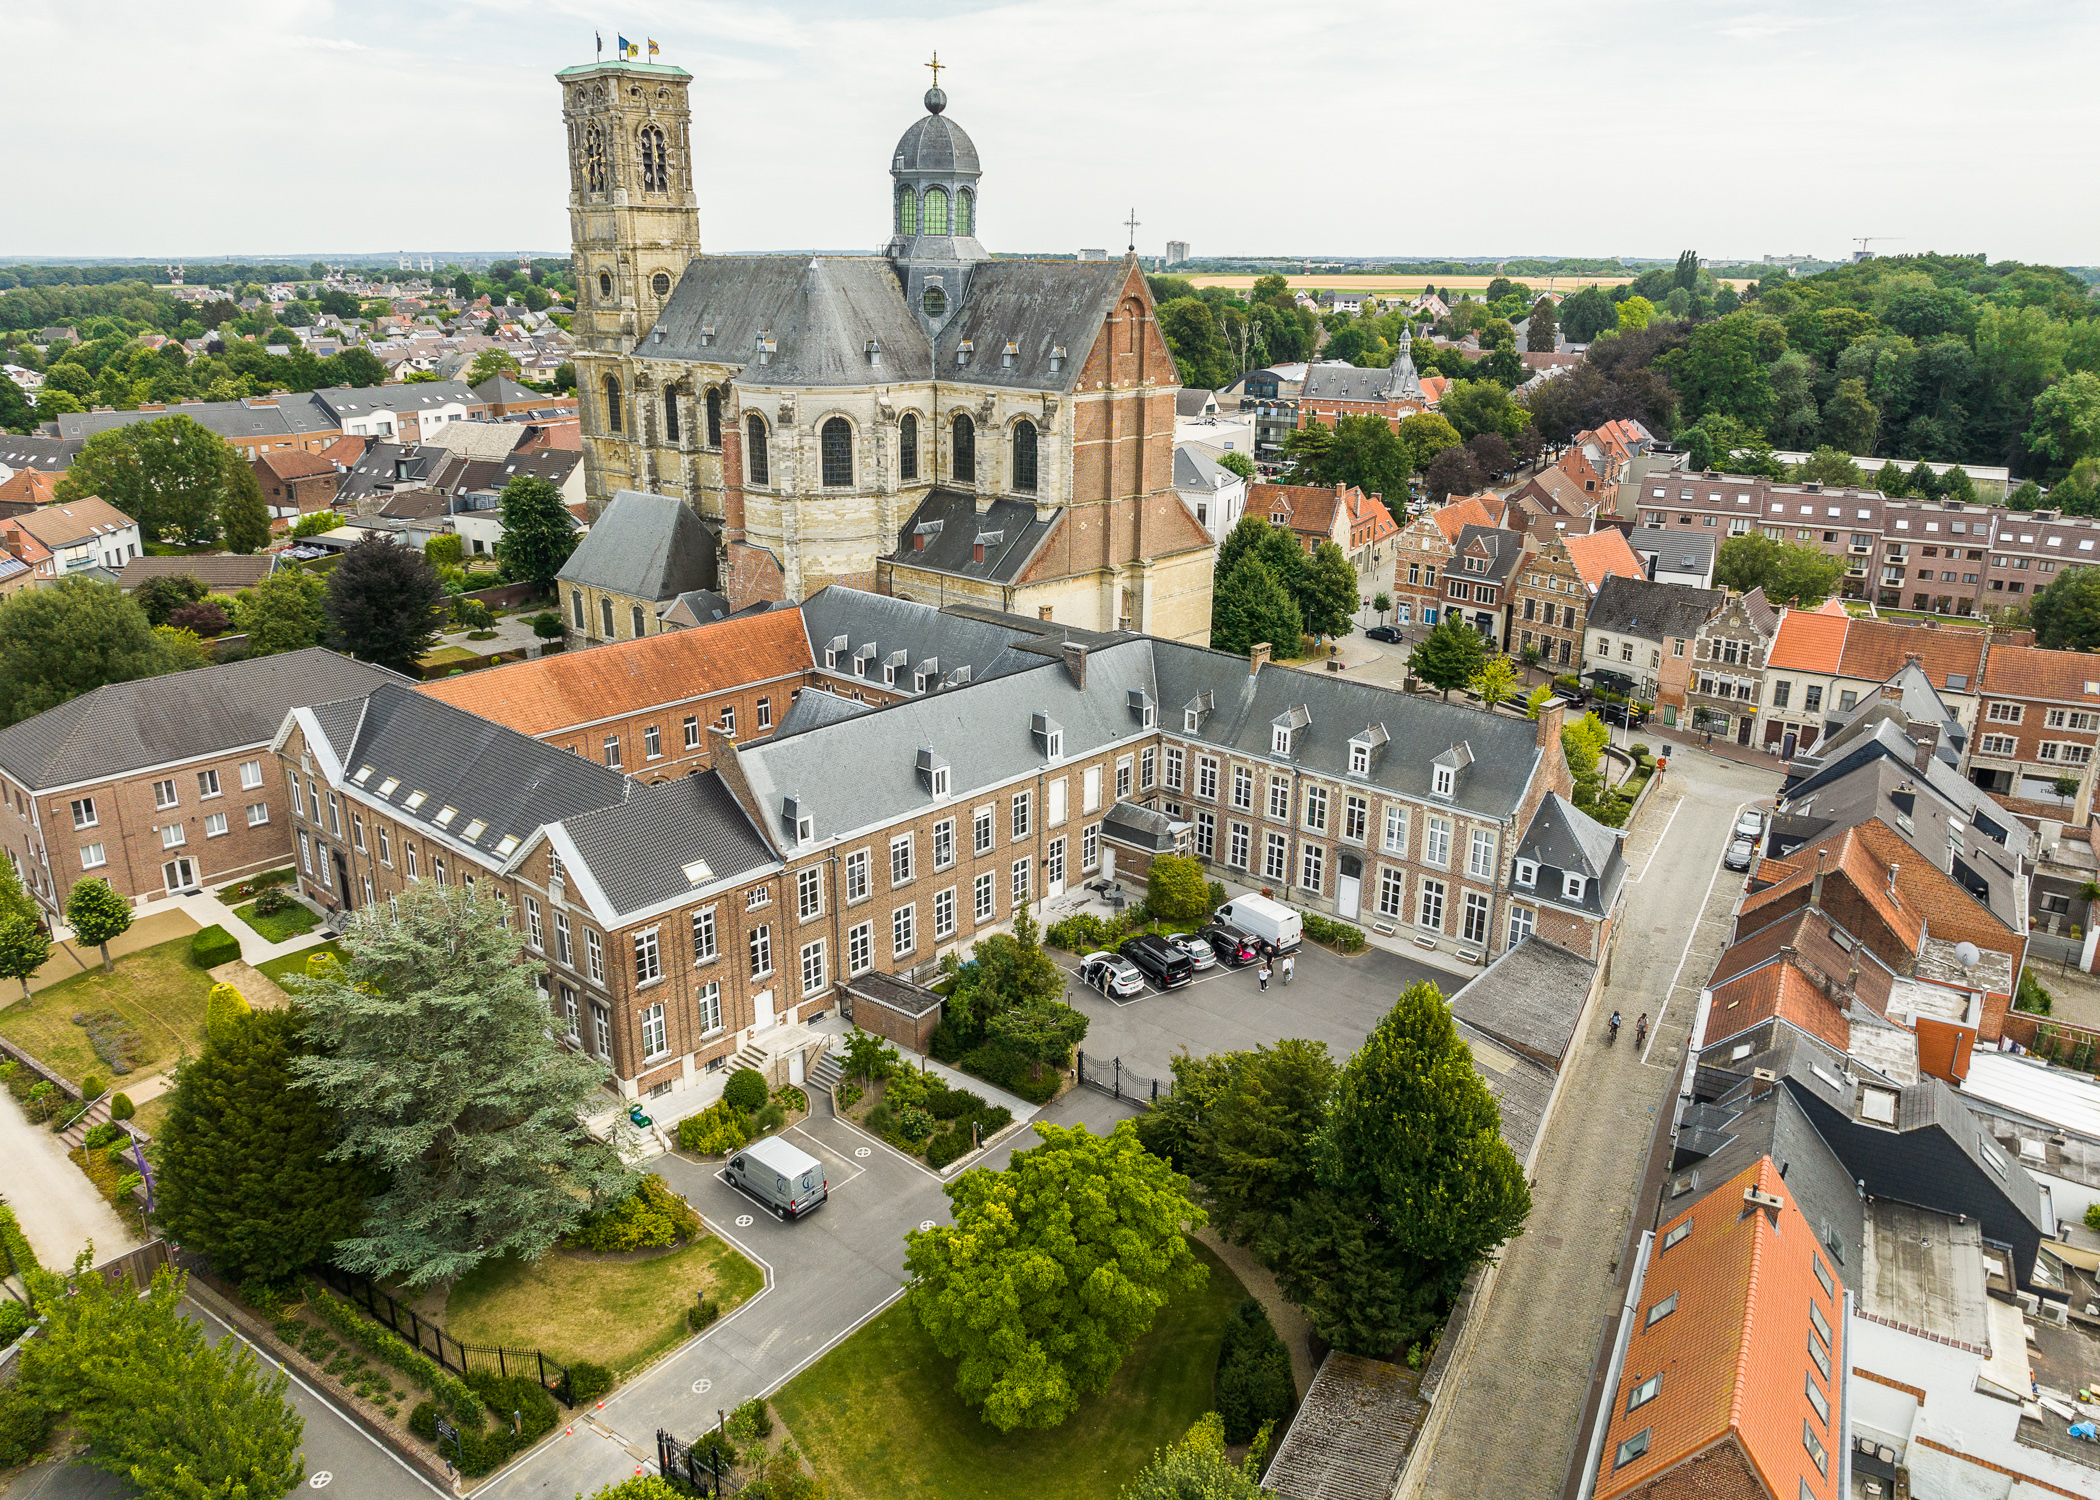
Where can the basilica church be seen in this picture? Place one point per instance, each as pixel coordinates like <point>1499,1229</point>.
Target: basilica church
<point>929,422</point>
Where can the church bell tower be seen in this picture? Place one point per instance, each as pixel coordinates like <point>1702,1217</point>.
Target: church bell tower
<point>634,225</point>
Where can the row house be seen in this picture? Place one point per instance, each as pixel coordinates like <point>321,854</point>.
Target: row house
<point>2039,724</point>
<point>1478,579</point>
<point>78,534</point>
<point>1728,667</point>
<point>1421,554</point>
<point>1823,663</point>
<point>1641,635</point>
<point>162,785</point>
<point>1552,590</point>
<point>1597,459</point>
<point>1553,503</point>
<point>1842,523</point>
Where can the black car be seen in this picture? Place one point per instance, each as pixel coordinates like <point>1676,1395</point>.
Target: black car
<point>1387,633</point>
<point>1160,961</point>
<point>1235,948</point>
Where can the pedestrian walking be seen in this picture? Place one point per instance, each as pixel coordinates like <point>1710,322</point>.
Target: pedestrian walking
<point>1290,966</point>
<point>1263,974</point>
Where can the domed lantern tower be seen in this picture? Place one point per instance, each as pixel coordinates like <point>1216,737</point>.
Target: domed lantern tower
<point>934,213</point>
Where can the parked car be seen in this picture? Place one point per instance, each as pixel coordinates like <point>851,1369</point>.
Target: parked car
<point>788,1181</point>
<point>1235,946</point>
<point>1162,962</point>
<point>1751,824</point>
<point>1112,974</point>
<point>1740,854</point>
<point>1387,633</point>
<point>1197,947</point>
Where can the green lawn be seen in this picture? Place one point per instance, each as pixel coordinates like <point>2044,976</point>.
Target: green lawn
<point>160,994</point>
<point>241,888</point>
<point>880,1420</point>
<point>293,921</point>
<point>446,656</point>
<point>295,963</point>
<point>152,1116</point>
<point>610,1310</point>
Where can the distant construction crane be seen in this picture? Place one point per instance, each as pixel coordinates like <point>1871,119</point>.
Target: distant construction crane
<point>1864,240</point>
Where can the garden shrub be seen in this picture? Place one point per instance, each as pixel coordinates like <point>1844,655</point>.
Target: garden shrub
<point>108,1133</point>
<point>1214,897</point>
<point>1082,932</point>
<point>751,1421</point>
<point>2031,997</point>
<point>213,946</point>
<point>1009,1071</point>
<point>460,1400</point>
<point>746,1091</point>
<point>587,1382</point>
<point>702,1313</point>
<point>43,1102</point>
<point>25,1427</point>
<point>880,1119</point>
<point>15,1245</point>
<point>650,1215</point>
<point>951,1104</point>
<point>272,1299</point>
<point>715,1131</point>
<point>15,1321</point>
<point>715,1449</point>
<point>1326,930</point>
<point>273,901</point>
<point>1253,1386</point>
<point>914,1124</point>
<point>768,1120</point>
<point>114,1039</point>
<point>849,1095</point>
<point>223,1012</point>
<point>868,1056</point>
<point>947,1146</point>
<point>120,1107</point>
<point>119,1157</point>
<point>791,1099</point>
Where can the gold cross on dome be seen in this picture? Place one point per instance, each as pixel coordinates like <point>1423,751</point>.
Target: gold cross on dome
<point>936,65</point>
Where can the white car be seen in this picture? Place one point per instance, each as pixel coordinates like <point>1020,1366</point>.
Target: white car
<point>1197,947</point>
<point>1751,824</point>
<point>1112,974</point>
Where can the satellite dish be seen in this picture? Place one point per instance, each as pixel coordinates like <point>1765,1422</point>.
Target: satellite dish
<point>1966,954</point>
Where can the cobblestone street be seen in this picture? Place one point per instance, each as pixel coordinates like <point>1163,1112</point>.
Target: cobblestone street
<point>1520,1395</point>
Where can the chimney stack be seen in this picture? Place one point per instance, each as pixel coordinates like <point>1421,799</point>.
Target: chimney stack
<point>1815,887</point>
<point>1925,740</point>
<point>1893,869</point>
<point>1551,717</point>
<point>1258,657</point>
<point>1075,664</point>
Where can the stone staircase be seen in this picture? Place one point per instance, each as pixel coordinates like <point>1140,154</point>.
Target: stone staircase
<point>827,1075</point>
<point>75,1135</point>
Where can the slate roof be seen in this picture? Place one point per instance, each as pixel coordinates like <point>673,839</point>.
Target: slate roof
<point>349,401</point>
<point>509,782</point>
<point>1651,611</point>
<point>1674,551</point>
<point>1041,306</point>
<point>988,645</point>
<point>1504,548</point>
<point>935,143</point>
<point>1014,536</point>
<point>1762,615</point>
<point>554,465</point>
<point>1522,1088</point>
<point>1563,838</point>
<point>814,707</point>
<point>1193,471</point>
<point>1531,998</point>
<point>1141,827</point>
<point>38,451</point>
<point>128,726</point>
<point>477,439</point>
<point>644,546</point>
<point>636,853</point>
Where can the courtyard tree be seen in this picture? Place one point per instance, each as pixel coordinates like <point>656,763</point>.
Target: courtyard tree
<point>385,604</point>
<point>538,532</point>
<point>169,475</point>
<point>1251,606</point>
<point>24,948</point>
<point>1042,1033</point>
<point>71,638</point>
<point>1052,1271</point>
<point>1541,332</point>
<point>97,914</point>
<point>1452,472</point>
<point>161,597</point>
<point>1327,595</point>
<point>1449,656</point>
<point>1175,889</point>
<point>248,1173</point>
<point>1788,572</point>
<point>432,1046</point>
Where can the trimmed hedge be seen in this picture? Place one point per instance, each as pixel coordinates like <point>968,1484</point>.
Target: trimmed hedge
<point>213,946</point>
<point>420,1368</point>
<point>20,1258</point>
<point>587,1382</point>
<point>1326,930</point>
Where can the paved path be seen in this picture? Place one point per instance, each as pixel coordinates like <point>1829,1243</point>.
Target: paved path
<point>57,1207</point>
<point>1519,1398</point>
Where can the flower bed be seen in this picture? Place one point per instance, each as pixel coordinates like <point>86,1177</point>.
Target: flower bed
<point>922,1116</point>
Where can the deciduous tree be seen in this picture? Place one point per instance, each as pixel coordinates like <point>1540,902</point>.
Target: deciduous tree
<point>168,475</point>
<point>1788,572</point>
<point>1198,1468</point>
<point>1586,314</point>
<point>1327,595</point>
<point>490,363</point>
<point>1175,889</point>
<point>432,1046</point>
<point>284,612</point>
<point>97,915</point>
<point>1449,656</point>
<point>71,638</point>
<point>1052,1271</point>
<point>2066,614</point>
<point>1425,435</point>
<point>538,533</point>
<point>385,604</point>
<point>1452,472</point>
<point>24,948</point>
<point>1542,329</point>
<point>1496,682</point>
<point>161,597</point>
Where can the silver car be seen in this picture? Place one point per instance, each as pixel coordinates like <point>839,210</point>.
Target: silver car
<point>1751,824</point>
<point>1197,948</point>
<point>1111,974</point>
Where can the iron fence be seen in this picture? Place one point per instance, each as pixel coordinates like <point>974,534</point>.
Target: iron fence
<point>427,1338</point>
<point>1118,1082</point>
<point>697,1467</point>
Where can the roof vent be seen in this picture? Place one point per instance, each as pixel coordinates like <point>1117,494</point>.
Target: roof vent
<point>1057,357</point>
<point>874,351</point>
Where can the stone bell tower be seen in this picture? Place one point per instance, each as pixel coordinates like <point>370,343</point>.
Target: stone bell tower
<point>634,224</point>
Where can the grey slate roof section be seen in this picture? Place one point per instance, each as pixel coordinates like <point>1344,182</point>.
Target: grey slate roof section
<point>51,455</point>
<point>813,708</point>
<point>1041,306</point>
<point>922,631</point>
<point>1564,839</point>
<point>638,850</point>
<point>386,467</point>
<point>554,465</point>
<point>1755,1120</point>
<point>647,546</point>
<point>1529,999</point>
<point>347,402</point>
<point>951,549</point>
<point>822,336</point>
<point>130,725</point>
<point>509,781</point>
<point>1196,473</point>
<point>1652,611</point>
<point>1673,551</point>
<point>1141,827</point>
<point>1504,548</point>
<point>1761,613</point>
<point>229,419</point>
<point>1522,1088</point>
<point>935,143</point>
<point>1505,750</point>
<point>1398,382</point>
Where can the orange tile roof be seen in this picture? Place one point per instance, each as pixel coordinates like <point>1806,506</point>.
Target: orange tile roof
<point>1808,642</point>
<point>2016,671</point>
<point>344,451</point>
<point>1733,1352</point>
<point>1780,991</point>
<point>1833,607</point>
<point>1603,554</point>
<point>1941,902</point>
<point>1877,650</point>
<point>1370,515</point>
<point>1854,860</point>
<point>1808,933</point>
<point>556,693</point>
<point>1455,517</point>
<point>1433,388</point>
<point>32,486</point>
<point>290,463</point>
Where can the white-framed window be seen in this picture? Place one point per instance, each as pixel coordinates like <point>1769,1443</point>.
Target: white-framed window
<point>900,859</point>
<point>1054,863</point>
<point>1174,768</point>
<point>1359,758</point>
<point>564,940</point>
<point>306,853</point>
<point>728,719</point>
<point>1054,804</point>
<point>1527,873</point>
<point>984,896</point>
<point>2065,752</point>
<point>1312,866</point>
<point>857,875</point>
<point>1090,789</point>
<point>1394,840</point>
<point>760,947</point>
<point>1206,839</point>
<point>981,830</point>
<point>357,832</point>
<point>93,856</point>
<point>1023,807</point>
<point>207,784</point>
<point>1445,781</point>
<point>692,731</point>
<point>1520,924</point>
<point>84,815</point>
<point>251,775</point>
<point>758,896</point>
<point>313,797</point>
<point>860,948</point>
<point>2005,713</point>
<point>1392,892</point>
<point>535,934</point>
<point>1280,799</point>
<point>2070,718</point>
<point>655,1035</point>
<point>944,914</point>
<point>1436,842</point>
<point>944,844</point>
<point>1276,861</point>
<point>1239,846</point>
<point>1431,913</point>
<point>1243,788</point>
<point>648,957</point>
<point>653,743</point>
<point>1475,929</point>
<point>335,817</point>
<point>601,1023</point>
<point>1316,808</point>
<point>765,713</point>
<point>940,781</point>
<point>164,794</point>
<point>1480,854</point>
<point>1021,872</point>
<point>1279,739</point>
<point>409,852</point>
<point>215,825</point>
<point>174,836</point>
<point>1572,885</point>
<point>1998,744</point>
<point>1356,818</point>
<point>904,930</point>
<point>704,947</point>
<point>366,882</point>
<point>1206,778</point>
<point>809,893</point>
<point>612,751</point>
<point>709,1005</point>
<point>593,950</point>
<point>813,967</point>
<point>1122,777</point>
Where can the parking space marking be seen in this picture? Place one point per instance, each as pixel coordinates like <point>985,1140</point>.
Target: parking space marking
<point>858,1171</point>
<point>1691,942</point>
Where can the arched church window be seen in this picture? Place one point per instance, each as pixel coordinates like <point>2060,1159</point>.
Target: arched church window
<point>935,302</point>
<point>671,397</point>
<point>594,157</point>
<point>965,210</point>
<point>755,448</point>
<point>907,211</point>
<point>660,283</point>
<point>836,441</point>
<point>908,446</point>
<point>634,618</point>
<point>965,461</point>
<point>612,404</point>
<point>605,618</point>
<point>936,211</point>
<point>1024,456</point>
<point>656,177</point>
<point>714,418</point>
<point>605,285</point>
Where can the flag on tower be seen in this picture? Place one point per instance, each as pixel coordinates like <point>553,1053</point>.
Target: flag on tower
<point>652,46</point>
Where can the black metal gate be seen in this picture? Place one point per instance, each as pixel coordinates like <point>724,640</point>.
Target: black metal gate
<point>1118,1082</point>
<point>682,1461</point>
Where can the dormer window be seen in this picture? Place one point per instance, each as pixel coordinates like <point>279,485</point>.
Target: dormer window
<point>933,773</point>
<point>1280,739</point>
<point>940,781</point>
<point>1049,736</point>
<point>1445,782</point>
<point>1527,874</point>
<point>1572,885</point>
<point>1191,719</point>
<point>1057,744</point>
<point>1359,758</point>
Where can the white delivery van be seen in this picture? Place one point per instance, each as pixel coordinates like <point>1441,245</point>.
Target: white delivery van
<point>1266,921</point>
<point>788,1181</point>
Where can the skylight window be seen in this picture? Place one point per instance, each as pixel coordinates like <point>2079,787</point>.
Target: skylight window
<point>476,829</point>
<point>386,787</point>
<point>508,845</point>
<point>698,872</point>
<point>415,800</point>
<point>446,815</point>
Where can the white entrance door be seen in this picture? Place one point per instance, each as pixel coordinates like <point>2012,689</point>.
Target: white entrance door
<point>179,874</point>
<point>762,1008</point>
<point>1054,870</point>
<point>795,1067</point>
<point>1348,887</point>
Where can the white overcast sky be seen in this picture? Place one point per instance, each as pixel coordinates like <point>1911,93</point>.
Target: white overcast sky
<point>1498,127</point>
